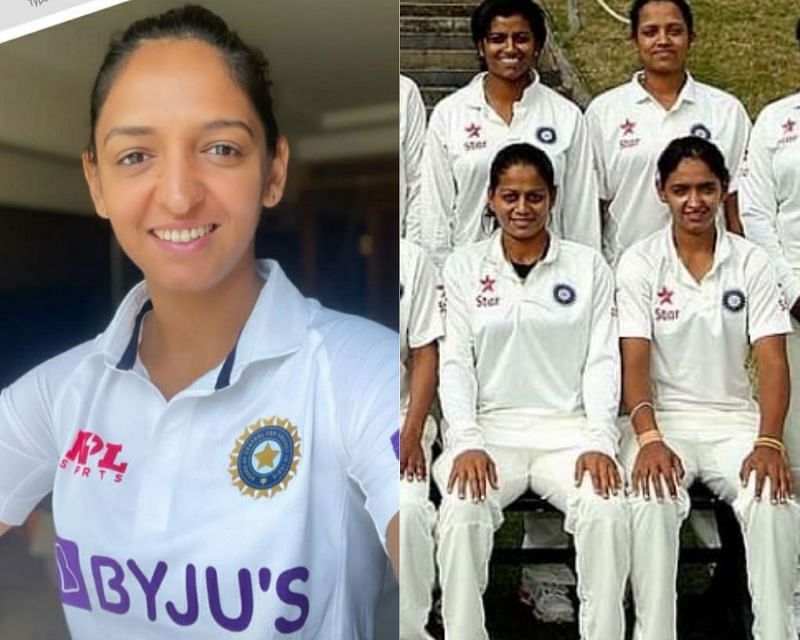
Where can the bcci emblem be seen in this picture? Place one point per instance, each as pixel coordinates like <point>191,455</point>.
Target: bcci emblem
<point>701,131</point>
<point>733,300</point>
<point>546,135</point>
<point>564,294</point>
<point>265,457</point>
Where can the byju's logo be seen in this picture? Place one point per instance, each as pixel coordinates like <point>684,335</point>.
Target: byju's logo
<point>115,582</point>
<point>90,456</point>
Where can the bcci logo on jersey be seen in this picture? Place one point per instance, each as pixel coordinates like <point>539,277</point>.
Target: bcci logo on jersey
<point>265,457</point>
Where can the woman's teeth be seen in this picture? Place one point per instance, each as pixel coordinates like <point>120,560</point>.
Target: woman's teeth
<point>184,235</point>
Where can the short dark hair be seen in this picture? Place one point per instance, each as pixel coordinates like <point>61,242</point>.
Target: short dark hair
<point>522,153</point>
<point>488,10</point>
<point>696,148</point>
<point>638,5</point>
<point>248,67</point>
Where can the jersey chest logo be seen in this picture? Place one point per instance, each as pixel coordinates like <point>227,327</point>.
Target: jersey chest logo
<point>90,456</point>
<point>788,134</point>
<point>733,300</point>
<point>628,138</point>
<point>700,130</point>
<point>564,294</point>
<point>546,135</point>
<point>265,457</point>
<point>665,311</point>
<point>473,142</point>
<point>487,284</point>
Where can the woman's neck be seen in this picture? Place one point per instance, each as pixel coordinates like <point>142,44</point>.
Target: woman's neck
<point>528,251</point>
<point>501,94</point>
<point>188,334</point>
<point>664,87</point>
<point>695,251</point>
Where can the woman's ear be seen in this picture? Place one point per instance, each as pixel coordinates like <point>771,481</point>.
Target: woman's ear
<point>93,182</point>
<point>276,178</point>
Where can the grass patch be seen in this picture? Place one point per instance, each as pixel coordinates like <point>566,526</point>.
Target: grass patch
<point>742,47</point>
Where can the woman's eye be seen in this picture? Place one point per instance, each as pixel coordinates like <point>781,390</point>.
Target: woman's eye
<point>223,150</point>
<point>131,159</point>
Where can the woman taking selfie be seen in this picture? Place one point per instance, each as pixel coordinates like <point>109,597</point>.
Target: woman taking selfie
<point>210,452</point>
<point>693,299</point>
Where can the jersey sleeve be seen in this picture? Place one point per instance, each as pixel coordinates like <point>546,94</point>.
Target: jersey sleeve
<point>601,375</point>
<point>28,450</point>
<point>437,192</point>
<point>458,386</point>
<point>758,206</point>
<point>364,376</point>
<point>738,123</point>
<point>425,319</point>
<point>634,296</point>
<point>413,144</point>
<point>580,211</point>
<point>594,129</point>
<point>767,310</point>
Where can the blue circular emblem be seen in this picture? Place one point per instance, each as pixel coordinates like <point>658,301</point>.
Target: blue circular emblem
<point>733,300</point>
<point>701,131</point>
<point>266,457</point>
<point>564,294</point>
<point>546,135</point>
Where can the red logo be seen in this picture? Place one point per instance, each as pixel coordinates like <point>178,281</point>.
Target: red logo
<point>487,284</point>
<point>90,453</point>
<point>788,126</point>
<point>473,130</point>
<point>664,295</point>
<point>627,127</point>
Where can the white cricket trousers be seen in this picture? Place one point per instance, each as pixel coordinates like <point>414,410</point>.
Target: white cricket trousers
<point>712,448</point>
<point>791,429</point>
<point>417,571</point>
<point>601,529</point>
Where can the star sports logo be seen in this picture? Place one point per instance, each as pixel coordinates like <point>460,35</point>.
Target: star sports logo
<point>788,126</point>
<point>487,284</point>
<point>627,127</point>
<point>664,296</point>
<point>473,130</point>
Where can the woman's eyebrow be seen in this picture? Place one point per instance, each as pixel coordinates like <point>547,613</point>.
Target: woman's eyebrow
<point>220,123</point>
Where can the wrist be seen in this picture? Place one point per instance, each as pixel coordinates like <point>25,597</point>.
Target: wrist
<point>649,437</point>
<point>770,442</point>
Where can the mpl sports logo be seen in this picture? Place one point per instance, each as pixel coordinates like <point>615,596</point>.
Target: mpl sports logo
<point>114,582</point>
<point>90,456</point>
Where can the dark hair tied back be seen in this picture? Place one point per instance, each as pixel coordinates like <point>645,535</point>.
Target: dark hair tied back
<point>248,67</point>
<point>638,5</point>
<point>692,147</point>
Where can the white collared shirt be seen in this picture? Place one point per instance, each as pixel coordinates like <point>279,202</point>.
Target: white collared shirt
<point>701,332</point>
<point>412,138</point>
<point>465,134</point>
<point>420,315</point>
<point>629,129</point>
<point>769,199</point>
<point>250,505</point>
<point>529,353</point>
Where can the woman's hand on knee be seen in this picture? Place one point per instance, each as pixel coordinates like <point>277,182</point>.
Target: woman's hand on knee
<point>474,469</point>
<point>603,471</point>
<point>770,463</point>
<point>657,465</point>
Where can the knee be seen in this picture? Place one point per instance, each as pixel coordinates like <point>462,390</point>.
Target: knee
<point>455,511</point>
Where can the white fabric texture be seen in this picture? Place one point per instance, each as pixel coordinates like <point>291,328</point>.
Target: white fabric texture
<point>770,531</point>
<point>629,129</point>
<point>412,140</point>
<point>466,534</point>
<point>561,317</point>
<point>737,302</point>
<point>464,135</point>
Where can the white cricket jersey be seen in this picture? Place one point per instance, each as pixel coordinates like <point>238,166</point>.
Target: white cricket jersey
<point>769,198</point>
<point>250,505</point>
<point>629,129</point>
<point>700,332</point>
<point>520,357</point>
<point>412,138</point>
<point>465,134</point>
<point>420,316</point>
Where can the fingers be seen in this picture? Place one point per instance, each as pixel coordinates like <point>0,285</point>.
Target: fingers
<point>580,467</point>
<point>760,476</point>
<point>492,470</point>
<point>614,479</point>
<point>658,485</point>
<point>669,479</point>
<point>677,467</point>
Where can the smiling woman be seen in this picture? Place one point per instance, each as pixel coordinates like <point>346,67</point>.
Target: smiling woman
<point>219,402</point>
